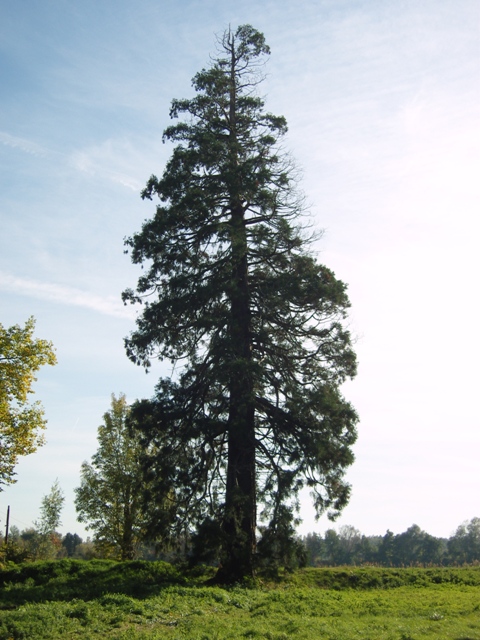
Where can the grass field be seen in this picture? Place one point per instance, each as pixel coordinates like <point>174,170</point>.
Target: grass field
<point>125,601</point>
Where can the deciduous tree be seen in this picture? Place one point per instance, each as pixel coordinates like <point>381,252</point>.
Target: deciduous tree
<point>50,510</point>
<point>45,541</point>
<point>21,423</point>
<point>109,498</point>
<point>233,291</point>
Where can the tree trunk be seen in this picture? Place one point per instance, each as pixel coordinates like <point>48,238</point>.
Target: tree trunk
<point>240,499</point>
<point>239,524</point>
<point>128,548</point>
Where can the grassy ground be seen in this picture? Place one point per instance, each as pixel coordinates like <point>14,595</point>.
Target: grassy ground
<point>92,600</point>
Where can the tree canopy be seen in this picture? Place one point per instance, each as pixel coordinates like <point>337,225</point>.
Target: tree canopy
<point>21,423</point>
<point>234,297</point>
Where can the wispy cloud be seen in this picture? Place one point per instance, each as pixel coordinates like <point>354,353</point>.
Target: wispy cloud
<point>27,146</point>
<point>111,160</point>
<point>115,160</point>
<point>106,305</point>
<point>85,163</point>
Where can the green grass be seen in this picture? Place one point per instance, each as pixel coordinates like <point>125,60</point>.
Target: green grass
<point>127,601</point>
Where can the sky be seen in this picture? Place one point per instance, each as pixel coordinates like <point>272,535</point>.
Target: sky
<point>382,101</point>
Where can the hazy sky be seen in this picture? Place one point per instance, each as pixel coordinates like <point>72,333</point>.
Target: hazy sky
<point>382,100</point>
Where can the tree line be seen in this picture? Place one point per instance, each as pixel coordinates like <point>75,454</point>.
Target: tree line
<point>345,547</point>
<point>348,546</point>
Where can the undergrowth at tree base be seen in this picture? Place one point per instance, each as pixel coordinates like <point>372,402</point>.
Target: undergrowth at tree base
<point>149,600</point>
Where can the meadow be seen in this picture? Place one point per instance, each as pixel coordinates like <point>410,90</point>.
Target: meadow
<point>73,599</point>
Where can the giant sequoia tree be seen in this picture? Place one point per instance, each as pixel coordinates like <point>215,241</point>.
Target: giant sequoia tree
<point>233,297</point>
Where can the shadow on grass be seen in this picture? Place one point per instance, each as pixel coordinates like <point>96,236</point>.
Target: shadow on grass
<point>85,580</point>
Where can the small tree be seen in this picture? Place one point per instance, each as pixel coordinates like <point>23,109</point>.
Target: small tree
<point>110,497</point>
<point>21,423</point>
<point>233,291</point>
<point>51,510</point>
<point>43,541</point>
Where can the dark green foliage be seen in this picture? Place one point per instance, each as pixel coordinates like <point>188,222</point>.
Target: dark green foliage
<point>232,292</point>
<point>464,546</point>
<point>349,547</point>
<point>206,543</point>
<point>70,542</point>
<point>279,547</point>
<point>413,547</point>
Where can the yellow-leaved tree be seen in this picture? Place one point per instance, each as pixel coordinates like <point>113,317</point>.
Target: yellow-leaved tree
<point>21,422</point>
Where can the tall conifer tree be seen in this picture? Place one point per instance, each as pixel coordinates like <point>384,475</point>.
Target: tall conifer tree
<point>232,293</point>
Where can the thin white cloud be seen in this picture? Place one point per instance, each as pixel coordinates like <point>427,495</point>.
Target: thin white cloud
<point>85,163</point>
<point>27,146</point>
<point>108,305</point>
<point>106,160</point>
<point>114,160</point>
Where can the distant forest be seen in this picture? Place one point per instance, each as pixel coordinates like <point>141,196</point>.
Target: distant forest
<point>412,548</point>
<point>347,546</point>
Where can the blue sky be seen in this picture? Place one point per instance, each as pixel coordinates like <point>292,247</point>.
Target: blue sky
<point>382,101</point>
